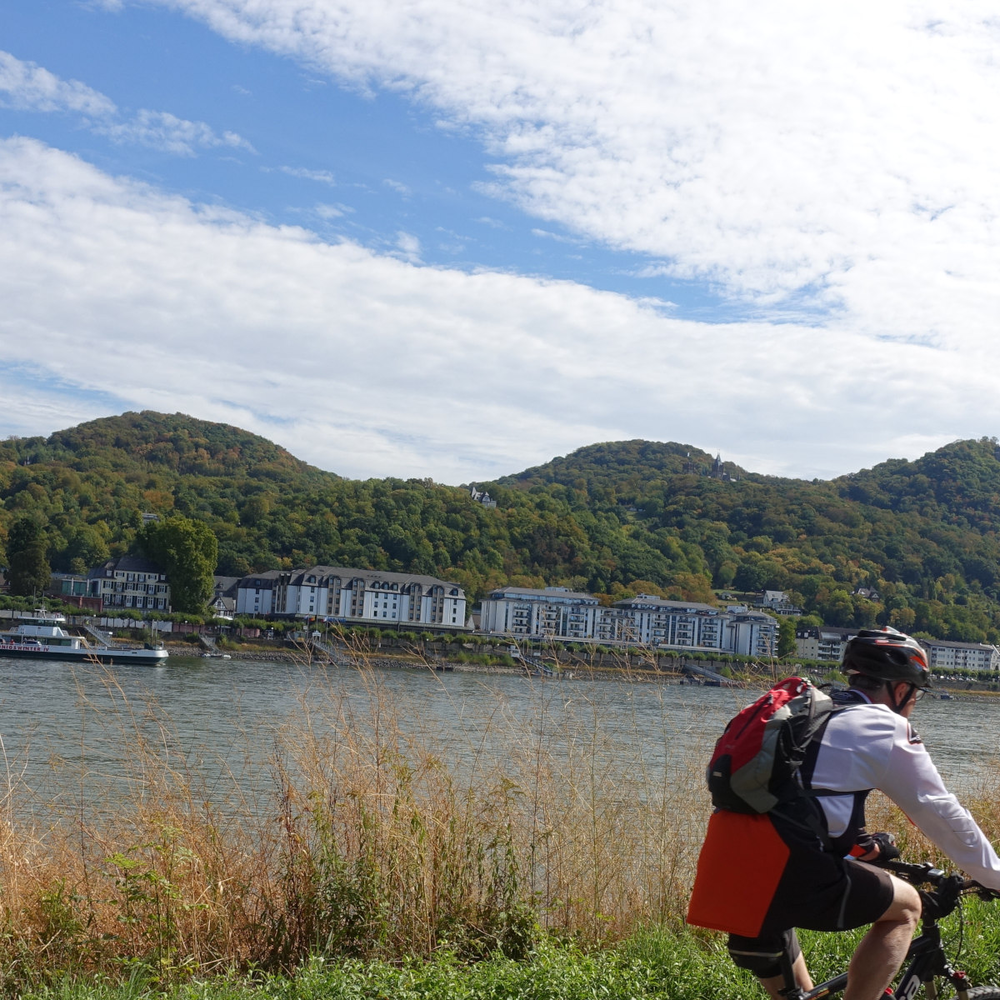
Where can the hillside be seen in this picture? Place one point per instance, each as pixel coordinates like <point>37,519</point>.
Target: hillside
<point>609,518</point>
<point>171,443</point>
<point>922,533</point>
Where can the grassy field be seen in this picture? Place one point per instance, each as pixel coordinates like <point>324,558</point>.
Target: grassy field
<point>369,867</point>
<point>654,964</point>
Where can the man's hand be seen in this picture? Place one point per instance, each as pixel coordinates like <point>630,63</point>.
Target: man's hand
<point>875,847</point>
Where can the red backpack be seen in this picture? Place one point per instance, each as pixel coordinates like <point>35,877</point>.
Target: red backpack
<point>756,761</point>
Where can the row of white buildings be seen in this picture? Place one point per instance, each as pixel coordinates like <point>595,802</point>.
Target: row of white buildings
<point>409,600</point>
<point>358,595</point>
<point>642,620</point>
<point>827,643</point>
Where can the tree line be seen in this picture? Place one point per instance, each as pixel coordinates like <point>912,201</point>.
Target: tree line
<point>612,519</point>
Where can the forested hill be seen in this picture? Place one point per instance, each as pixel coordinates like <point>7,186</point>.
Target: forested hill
<point>174,443</point>
<point>624,465</point>
<point>609,518</point>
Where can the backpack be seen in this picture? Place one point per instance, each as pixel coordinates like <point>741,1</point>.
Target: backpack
<point>755,765</point>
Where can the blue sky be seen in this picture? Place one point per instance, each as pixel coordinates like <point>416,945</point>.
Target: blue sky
<point>451,240</point>
<point>386,163</point>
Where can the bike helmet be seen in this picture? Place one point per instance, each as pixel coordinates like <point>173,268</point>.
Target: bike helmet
<point>887,655</point>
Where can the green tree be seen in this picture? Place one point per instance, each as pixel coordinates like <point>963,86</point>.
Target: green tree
<point>87,548</point>
<point>836,607</point>
<point>786,636</point>
<point>187,551</point>
<point>29,572</point>
<point>903,619</point>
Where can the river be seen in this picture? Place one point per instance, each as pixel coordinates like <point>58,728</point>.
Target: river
<point>69,732</point>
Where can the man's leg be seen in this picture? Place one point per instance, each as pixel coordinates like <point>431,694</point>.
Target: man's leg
<point>773,984</point>
<point>882,950</point>
<point>763,957</point>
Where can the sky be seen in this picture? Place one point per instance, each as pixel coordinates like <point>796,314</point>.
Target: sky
<point>454,239</point>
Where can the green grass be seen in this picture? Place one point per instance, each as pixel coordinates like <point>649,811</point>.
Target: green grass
<point>655,964</point>
<point>651,966</point>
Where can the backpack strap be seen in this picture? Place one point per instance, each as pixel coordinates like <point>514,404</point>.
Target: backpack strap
<point>816,819</point>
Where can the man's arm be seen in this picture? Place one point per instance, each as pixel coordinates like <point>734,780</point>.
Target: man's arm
<point>912,781</point>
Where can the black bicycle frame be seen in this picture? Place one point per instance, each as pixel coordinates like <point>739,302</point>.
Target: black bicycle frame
<point>927,960</point>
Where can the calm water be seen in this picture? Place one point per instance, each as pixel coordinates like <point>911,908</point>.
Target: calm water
<point>69,731</point>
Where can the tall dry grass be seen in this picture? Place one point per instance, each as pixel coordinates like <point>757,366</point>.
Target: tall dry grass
<point>352,828</point>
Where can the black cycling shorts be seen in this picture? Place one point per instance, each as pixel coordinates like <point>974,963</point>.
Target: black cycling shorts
<point>820,892</point>
<point>762,955</point>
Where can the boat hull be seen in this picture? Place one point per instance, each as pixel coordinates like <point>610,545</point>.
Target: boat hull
<point>94,654</point>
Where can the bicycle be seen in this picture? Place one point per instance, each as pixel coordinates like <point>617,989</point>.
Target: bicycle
<point>926,958</point>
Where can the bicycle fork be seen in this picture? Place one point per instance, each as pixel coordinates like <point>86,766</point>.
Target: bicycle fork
<point>927,963</point>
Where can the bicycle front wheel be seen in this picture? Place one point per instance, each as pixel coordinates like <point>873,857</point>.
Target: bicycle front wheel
<point>983,993</point>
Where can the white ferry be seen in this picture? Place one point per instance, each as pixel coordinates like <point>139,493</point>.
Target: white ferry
<point>34,641</point>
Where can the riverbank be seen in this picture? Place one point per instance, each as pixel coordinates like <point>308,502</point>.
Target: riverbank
<point>619,669</point>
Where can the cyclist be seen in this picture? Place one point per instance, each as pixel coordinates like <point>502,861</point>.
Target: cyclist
<point>761,876</point>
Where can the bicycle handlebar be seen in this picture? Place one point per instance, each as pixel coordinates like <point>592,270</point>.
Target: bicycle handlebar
<point>916,874</point>
<point>927,874</point>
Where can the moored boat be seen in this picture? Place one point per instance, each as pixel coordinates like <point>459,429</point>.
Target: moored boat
<point>49,641</point>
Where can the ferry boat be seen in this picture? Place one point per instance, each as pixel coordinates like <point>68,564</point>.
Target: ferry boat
<point>49,641</point>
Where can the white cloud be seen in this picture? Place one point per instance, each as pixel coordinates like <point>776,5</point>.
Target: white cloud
<point>408,247</point>
<point>320,176</point>
<point>544,234</point>
<point>653,271</point>
<point>164,131</point>
<point>396,186</point>
<point>367,365</point>
<point>327,211</point>
<point>26,86</point>
<point>841,158</point>
<point>42,406</point>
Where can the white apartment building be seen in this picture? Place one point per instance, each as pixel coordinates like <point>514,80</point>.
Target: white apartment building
<point>653,621</point>
<point>825,643</point>
<point>689,625</point>
<point>752,634</point>
<point>129,582</point>
<point>554,611</point>
<point>642,620</point>
<point>945,655</point>
<point>353,595</point>
<point>255,593</point>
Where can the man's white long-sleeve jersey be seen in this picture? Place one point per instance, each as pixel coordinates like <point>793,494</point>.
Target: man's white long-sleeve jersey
<point>869,746</point>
